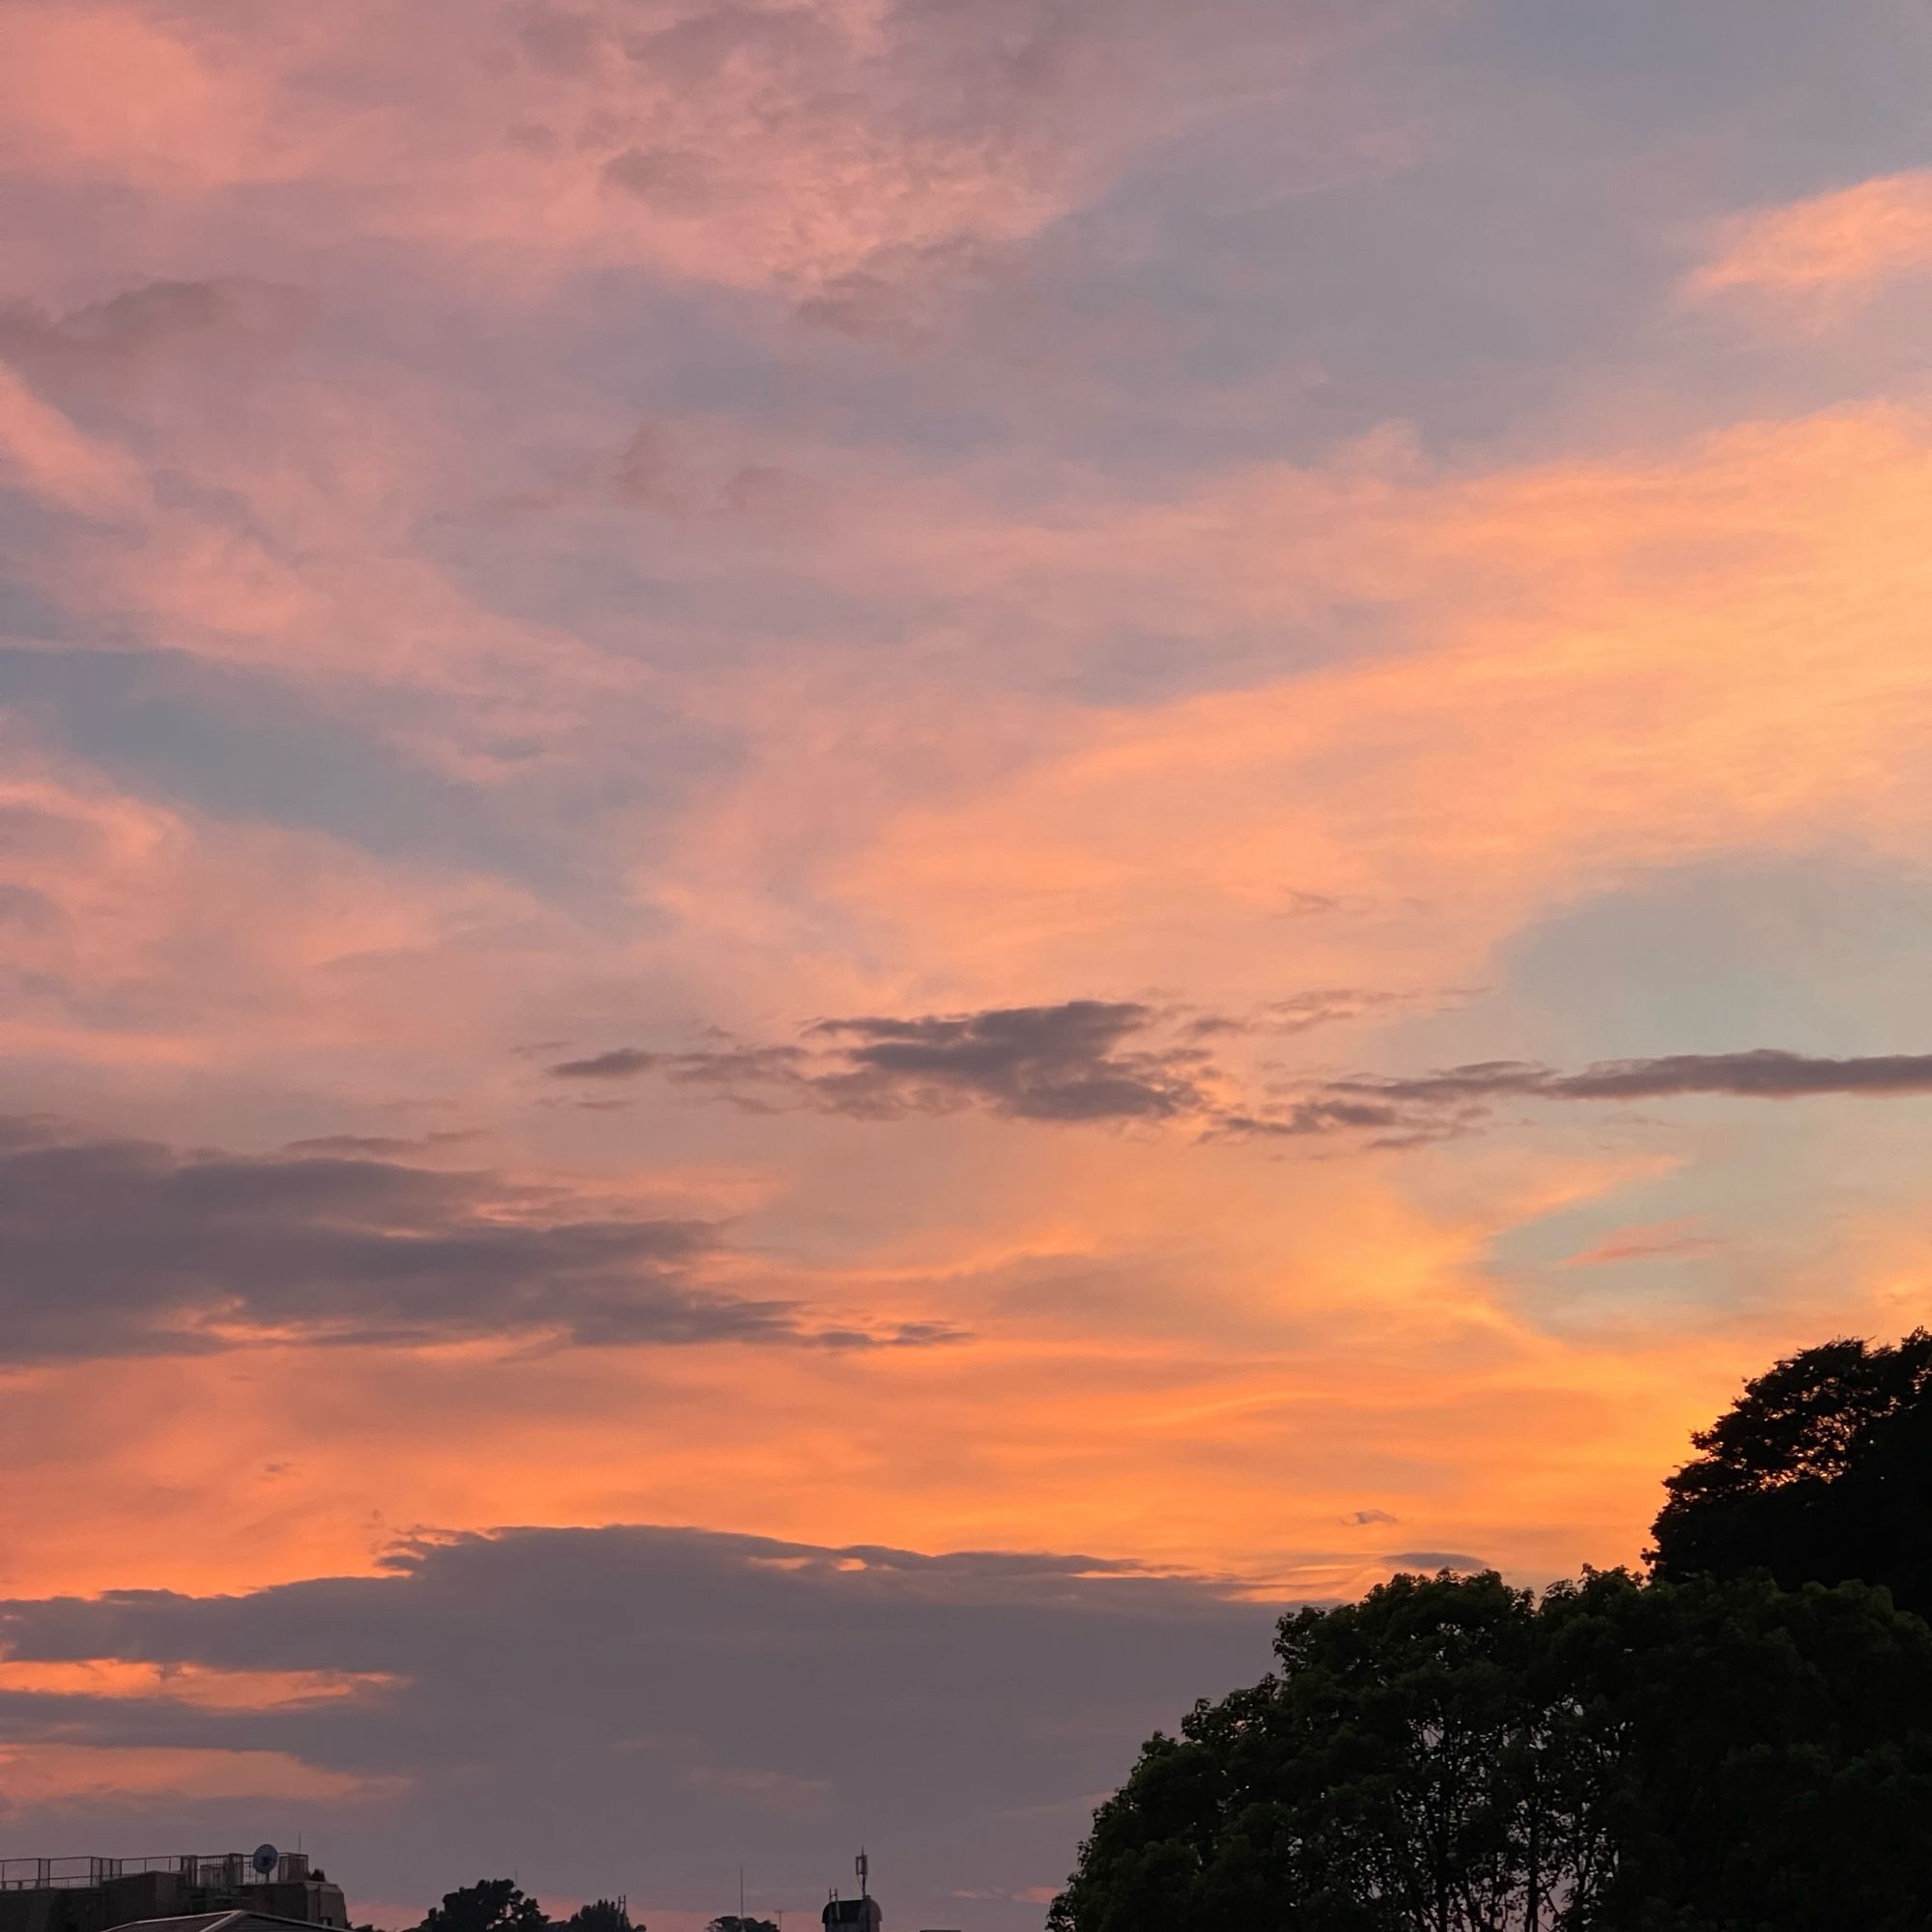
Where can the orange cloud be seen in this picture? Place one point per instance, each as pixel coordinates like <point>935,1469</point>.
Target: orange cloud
<point>203,1688</point>
<point>1595,669</point>
<point>1208,1364</point>
<point>1836,247</point>
<point>48,1774</point>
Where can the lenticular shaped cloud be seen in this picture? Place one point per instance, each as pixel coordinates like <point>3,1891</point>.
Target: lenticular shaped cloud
<point>1458,1097</point>
<point>620,1064</point>
<point>1764,1072</point>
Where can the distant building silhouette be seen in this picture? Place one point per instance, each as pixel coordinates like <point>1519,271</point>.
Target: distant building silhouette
<point>195,1892</point>
<point>859,1915</point>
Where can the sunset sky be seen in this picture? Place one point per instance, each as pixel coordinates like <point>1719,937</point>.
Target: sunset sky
<point>861,856</point>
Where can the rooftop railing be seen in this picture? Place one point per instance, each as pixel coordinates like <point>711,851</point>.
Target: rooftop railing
<point>218,1871</point>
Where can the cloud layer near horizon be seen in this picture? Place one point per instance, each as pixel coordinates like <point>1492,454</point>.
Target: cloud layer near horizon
<point>666,1688</point>
<point>1031,774</point>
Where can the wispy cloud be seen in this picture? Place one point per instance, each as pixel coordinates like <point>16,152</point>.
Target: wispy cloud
<point>1121,1060</point>
<point>1079,1061</point>
<point>974,610</point>
<point>1659,1241</point>
<point>1463,1095</point>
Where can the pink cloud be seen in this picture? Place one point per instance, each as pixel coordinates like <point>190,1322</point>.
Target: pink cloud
<point>1594,667</point>
<point>422,389</point>
<point>297,555</point>
<point>104,92</point>
<point>1650,1241</point>
<point>1832,248</point>
<point>53,1774</point>
<point>60,462</point>
<point>835,151</point>
<point>142,936</point>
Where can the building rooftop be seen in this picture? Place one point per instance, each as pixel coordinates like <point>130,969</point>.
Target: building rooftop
<point>241,1919</point>
<point>197,1868</point>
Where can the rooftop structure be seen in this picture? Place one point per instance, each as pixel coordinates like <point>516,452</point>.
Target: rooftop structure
<point>189,1890</point>
<point>216,1922</point>
<point>862,1914</point>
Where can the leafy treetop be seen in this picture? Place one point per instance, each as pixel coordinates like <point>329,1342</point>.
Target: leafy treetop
<point>490,1905</point>
<point>1453,1755</point>
<point>600,1915</point>
<point>1820,1473</point>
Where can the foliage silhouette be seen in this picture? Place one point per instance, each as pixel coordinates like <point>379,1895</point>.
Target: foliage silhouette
<point>1453,1755</point>
<point>490,1905</point>
<point>731,1922</point>
<point>1820,1473</point>
<point>600,1915</point>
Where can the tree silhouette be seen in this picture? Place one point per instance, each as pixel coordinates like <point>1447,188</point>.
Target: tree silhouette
<point>1820,1473</point>
<point>490,1905</point>
<point>1452,1756</point>
<point>731,1922</point>
<point>600,1915</point>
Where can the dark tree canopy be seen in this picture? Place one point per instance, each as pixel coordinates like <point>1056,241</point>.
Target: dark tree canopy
<point>1452,1756</point>
<point>1820,1473</point>
<point>731,1922</point>
<point>600,1915</point>
<point>490,1905</point>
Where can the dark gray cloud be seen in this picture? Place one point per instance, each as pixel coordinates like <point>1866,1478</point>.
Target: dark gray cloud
<point>1067,1062</point>
<point>620,1064</point>
<point>638,1709</point>
<point>1078,1061</point>
<point>1763,1073</point>
<point>1433,1560</point>
<point>1125,1062</point>
<point>1111,1061</point>
<point>131,1247</point>
<point>1416,1110</point>
<point>1458,1097</point>
<point>382,1144</point>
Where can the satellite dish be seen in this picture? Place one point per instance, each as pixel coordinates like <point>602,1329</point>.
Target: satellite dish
<point>266,1860</point>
